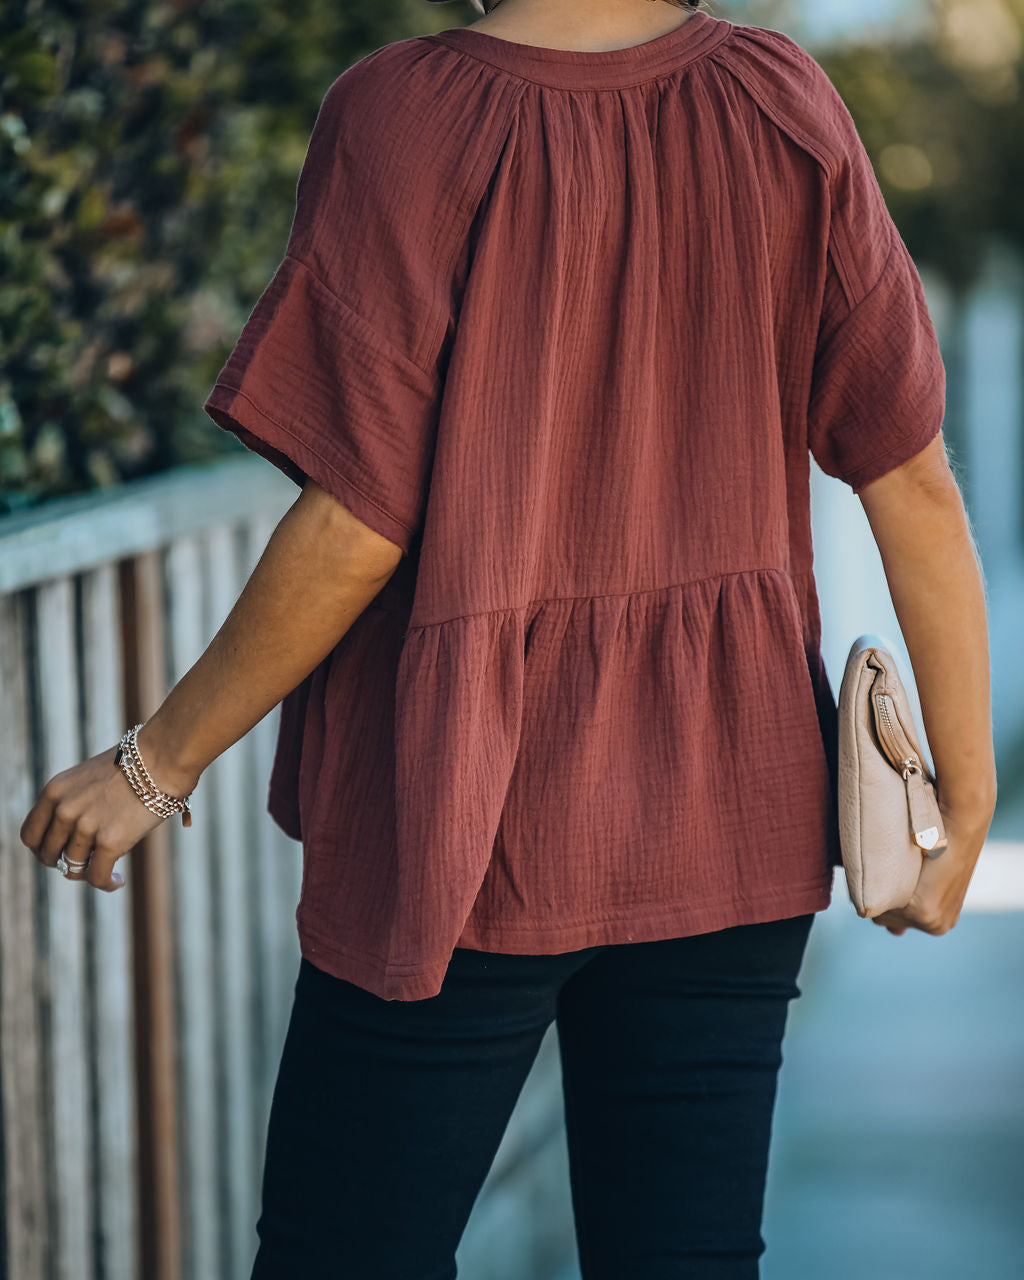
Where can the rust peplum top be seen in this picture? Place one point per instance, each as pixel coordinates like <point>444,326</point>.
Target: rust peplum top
<point>568,328</point>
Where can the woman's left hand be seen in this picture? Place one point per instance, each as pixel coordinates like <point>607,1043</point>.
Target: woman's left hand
<point>89,809</point>
<point>942,883</point>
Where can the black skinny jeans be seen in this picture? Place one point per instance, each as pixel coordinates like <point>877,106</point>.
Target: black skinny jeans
<point>387,1114</point>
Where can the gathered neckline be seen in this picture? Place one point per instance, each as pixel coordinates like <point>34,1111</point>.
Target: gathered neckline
<point>592,68</point>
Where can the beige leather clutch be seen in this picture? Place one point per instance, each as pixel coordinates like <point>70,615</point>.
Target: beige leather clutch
<point>889,816</point>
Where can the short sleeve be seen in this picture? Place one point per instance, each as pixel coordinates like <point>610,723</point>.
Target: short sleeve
<point>878,383</point>
<point>338,372</point>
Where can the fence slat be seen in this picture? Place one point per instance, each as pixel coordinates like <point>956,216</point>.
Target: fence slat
<point>69,1060</point>
<point>273,924</point>
<point>272,851</point>
<point>25,1206</point>
<point>109,928</point>
<point>152,948</point>
<point>268,978</point>
<point>233,878</point>
<point>195,957</point>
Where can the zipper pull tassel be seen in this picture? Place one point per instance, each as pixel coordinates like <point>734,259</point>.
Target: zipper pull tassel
<point>925,814</point>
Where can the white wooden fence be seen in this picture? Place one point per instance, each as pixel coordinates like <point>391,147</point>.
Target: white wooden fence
<point>140,1032</point>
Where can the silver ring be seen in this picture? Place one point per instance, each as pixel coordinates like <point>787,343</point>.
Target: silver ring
<point>66,864</point>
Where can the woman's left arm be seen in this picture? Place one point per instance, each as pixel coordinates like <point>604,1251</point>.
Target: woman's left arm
<point>320,569</point>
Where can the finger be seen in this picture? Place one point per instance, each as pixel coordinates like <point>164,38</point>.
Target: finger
<point>40,816</point>
<point>892,921</point>
<point>100,873</point>
<point>79,848</point>
<point>58,833</point>
<point>37,820</point>
<point>34,827</point>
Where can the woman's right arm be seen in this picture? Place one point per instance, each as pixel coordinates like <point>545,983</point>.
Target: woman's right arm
<point>920,524</point>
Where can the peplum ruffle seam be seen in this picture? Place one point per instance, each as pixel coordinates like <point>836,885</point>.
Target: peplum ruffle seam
<point>603,595</point>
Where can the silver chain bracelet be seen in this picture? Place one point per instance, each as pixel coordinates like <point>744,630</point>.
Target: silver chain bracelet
<point>157,801</point>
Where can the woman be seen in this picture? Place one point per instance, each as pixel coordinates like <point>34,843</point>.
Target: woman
<point>571,297</point>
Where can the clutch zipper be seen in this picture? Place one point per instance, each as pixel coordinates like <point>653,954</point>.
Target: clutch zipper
<point>897,746</point>
<point>922,806</point>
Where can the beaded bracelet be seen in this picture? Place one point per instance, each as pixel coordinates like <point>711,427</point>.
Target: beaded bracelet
<point>159,802</point>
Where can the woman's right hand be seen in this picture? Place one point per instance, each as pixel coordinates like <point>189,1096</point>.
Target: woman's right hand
<point>941,888</point>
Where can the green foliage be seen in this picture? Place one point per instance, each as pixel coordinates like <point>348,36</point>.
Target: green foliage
<point>148,160</point>
<point>943,122</point>
<point>148,157</point>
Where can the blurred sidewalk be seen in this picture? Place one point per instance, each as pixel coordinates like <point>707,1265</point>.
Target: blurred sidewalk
<point>899,1130</point>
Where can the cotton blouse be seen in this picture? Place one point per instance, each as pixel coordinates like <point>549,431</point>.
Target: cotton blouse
<point>567,327</point>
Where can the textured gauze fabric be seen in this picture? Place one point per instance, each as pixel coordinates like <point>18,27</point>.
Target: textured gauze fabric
<point>568,328</point>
